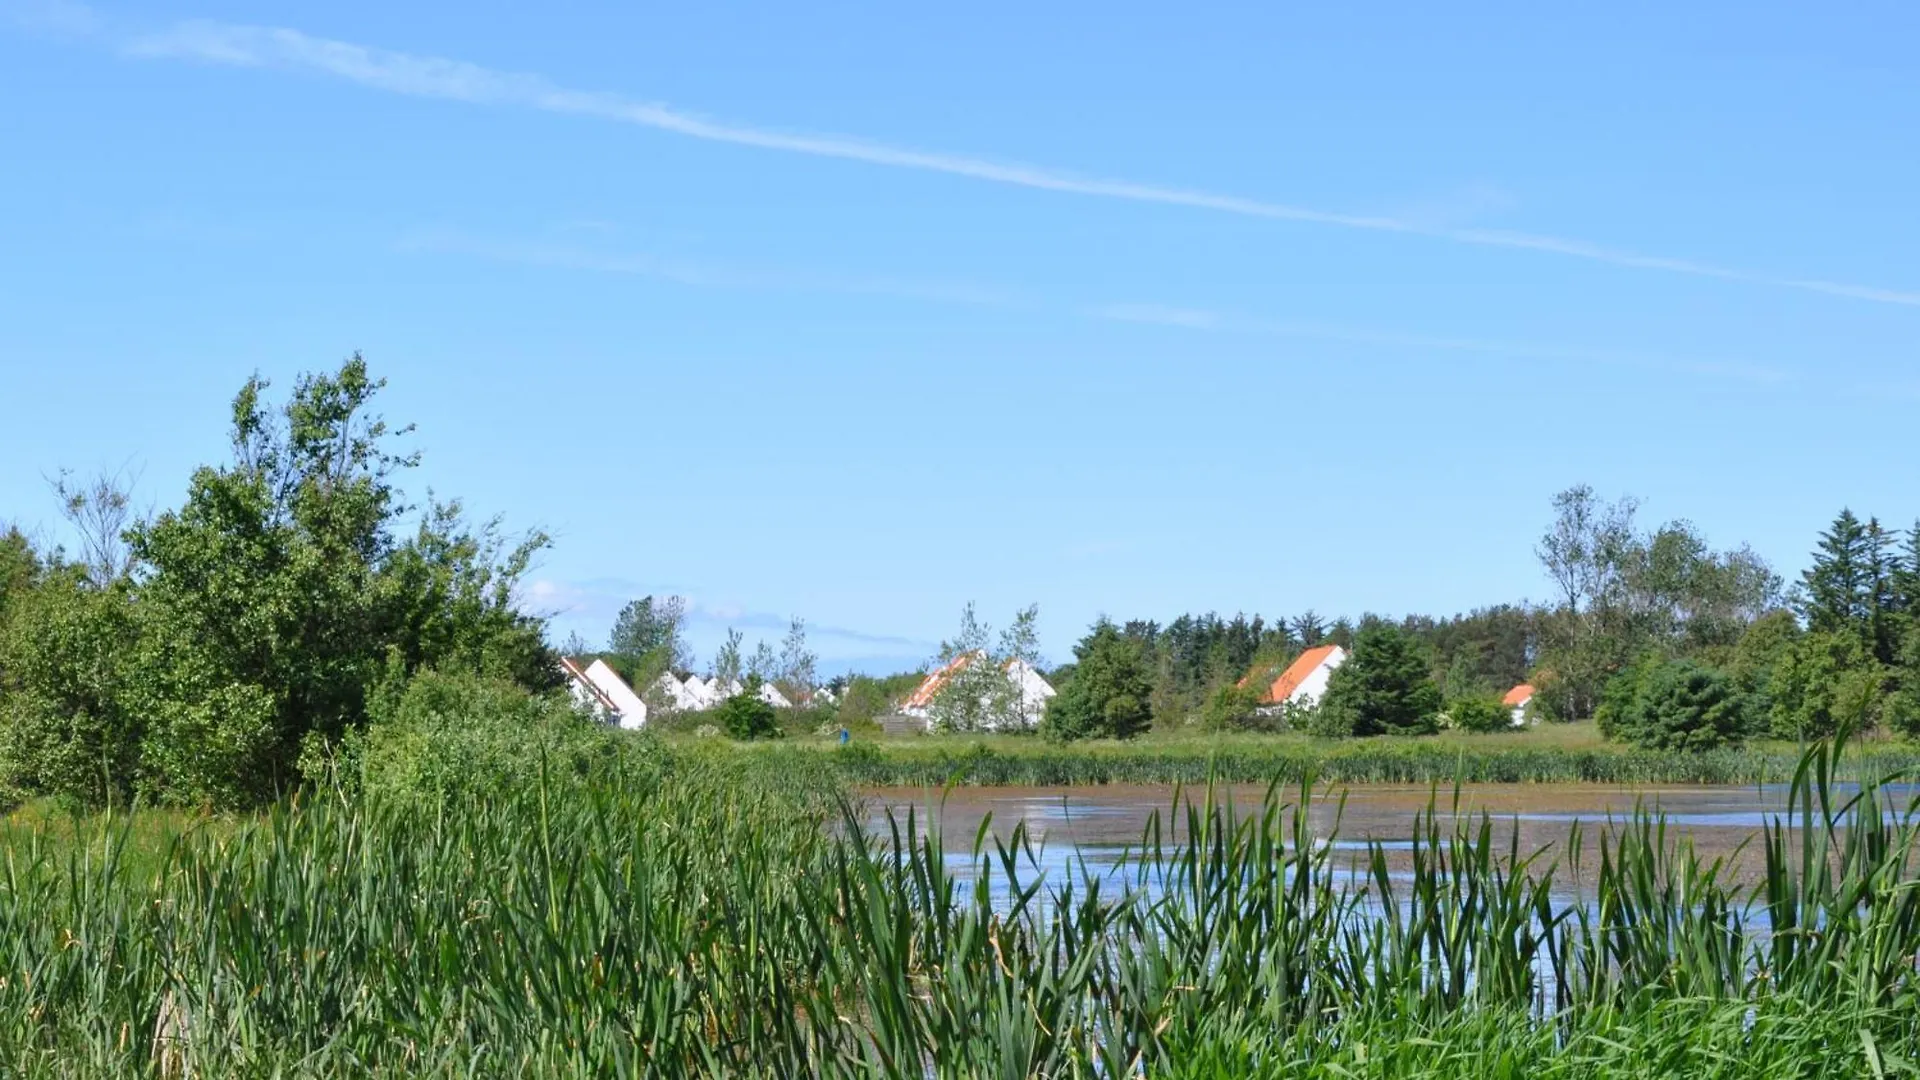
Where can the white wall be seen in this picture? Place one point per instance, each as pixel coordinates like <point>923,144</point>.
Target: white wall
<point>1314,686</point>
<point>632,711</point>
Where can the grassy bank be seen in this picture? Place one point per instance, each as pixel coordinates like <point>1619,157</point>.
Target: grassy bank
<point>689,914</point>
<point>1555,754</point>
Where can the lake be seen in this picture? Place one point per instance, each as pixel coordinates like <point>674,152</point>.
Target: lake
<point>1093,826</point>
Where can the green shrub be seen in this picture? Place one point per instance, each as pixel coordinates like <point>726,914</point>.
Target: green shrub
<point>745,716</point>
<point>1232,708</point>
<point>442,735</point>
<point>1327,723</point>
<point>1673,705</point>
<point>1480,713</point>
<point>69,722</point>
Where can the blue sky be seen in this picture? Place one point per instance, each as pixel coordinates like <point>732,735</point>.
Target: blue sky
<point>861,312</point>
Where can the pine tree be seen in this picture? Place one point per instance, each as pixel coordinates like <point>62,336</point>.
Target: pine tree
<point>1883,629</point>
<point>1386,687</point>
<point>1840,585</point>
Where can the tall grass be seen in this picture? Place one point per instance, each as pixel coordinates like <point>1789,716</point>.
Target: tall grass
<point>714,917</point>
<point>1495,759</point>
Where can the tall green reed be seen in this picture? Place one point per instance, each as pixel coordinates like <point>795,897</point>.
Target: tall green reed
<point>718,917</point>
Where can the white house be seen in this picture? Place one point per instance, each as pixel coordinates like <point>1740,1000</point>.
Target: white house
<point>1518,699</point>
<point>700,692</point>
<point>677,695</point>
<point>769,693</point>
<point>1304,682</point>
<point>601,690</point>
<point>1031,691</point>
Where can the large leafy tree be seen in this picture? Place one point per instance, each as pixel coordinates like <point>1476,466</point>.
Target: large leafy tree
<point>1107,697</point>
<point>649,638</point>
<point>261,616</point>
<point>1386,686</point>
<point>1624,594</point>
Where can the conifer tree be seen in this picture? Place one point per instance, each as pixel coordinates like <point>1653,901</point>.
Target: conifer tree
<point>1840,586</point>
<point>1386,687</point>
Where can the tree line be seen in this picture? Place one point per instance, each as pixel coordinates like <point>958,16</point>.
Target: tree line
<point>1664,640</point>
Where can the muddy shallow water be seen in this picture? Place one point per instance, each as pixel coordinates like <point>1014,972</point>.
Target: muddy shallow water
<point>1095,824</point>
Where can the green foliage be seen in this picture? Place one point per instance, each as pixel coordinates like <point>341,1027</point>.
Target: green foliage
<point>71,713</point>
<point>446,737</point>
<point>1674,705</point>
<point>1624,593</point>
<point>1232,708</point>
<point>863,699</point>
<point>745,715</point>
<point>1821,681</point>
<point>1108,694</point>
<point>261,611</point>
<point>1335,723</point>
<point>979,693</point>
<point>701,917</point>
<point>1480,713</point>
<point>1386,687</point>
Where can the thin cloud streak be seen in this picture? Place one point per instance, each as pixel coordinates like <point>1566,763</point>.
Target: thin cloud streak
<point>454,242</point>
<point>284,49</point>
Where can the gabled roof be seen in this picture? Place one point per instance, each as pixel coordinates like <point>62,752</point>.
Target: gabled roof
<point>1021,671</point>
<point>578,677</point>
<point>930,686</point>
<point>1303,665</point>
<point>1518,696</point>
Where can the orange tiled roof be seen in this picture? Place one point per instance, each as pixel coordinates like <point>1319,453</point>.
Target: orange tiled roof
<point>930,688</point>
<point>1518,695</point>
<point>1297,672</point>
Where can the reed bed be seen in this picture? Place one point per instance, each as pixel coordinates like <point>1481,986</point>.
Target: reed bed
<point>941,761</point>
<point>715,919</point>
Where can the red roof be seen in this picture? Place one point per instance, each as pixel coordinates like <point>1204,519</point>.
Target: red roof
<point>1303,665</point>
<point>1519,695</point>
<point>930,688</point>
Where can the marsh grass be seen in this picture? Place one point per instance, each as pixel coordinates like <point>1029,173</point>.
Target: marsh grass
<point>720,916</point>
<point>1551,754</point>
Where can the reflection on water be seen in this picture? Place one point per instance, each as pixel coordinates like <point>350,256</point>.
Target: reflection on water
<point>1088,830</point>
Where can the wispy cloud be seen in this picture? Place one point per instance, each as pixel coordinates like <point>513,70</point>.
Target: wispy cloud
<point>279,48</point>
<point>441,241</point>
<point>1158,315</point>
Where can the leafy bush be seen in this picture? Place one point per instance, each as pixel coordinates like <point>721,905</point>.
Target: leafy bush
<point>444,735</point>
<point>1232,708</point>
<point>745,716</point>
<point>1327,723</point>
<point>69,725</point>
<point>1480,713</point>
<point>1108,693</point>
<point>1673,705</point>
